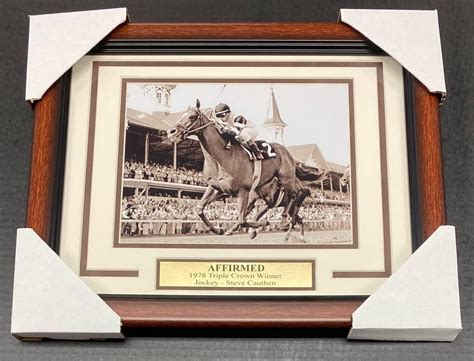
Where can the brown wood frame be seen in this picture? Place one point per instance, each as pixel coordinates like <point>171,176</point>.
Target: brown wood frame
<point>231,313</point>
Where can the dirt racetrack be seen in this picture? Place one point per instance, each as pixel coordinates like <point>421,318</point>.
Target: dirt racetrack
<point>267,238</point>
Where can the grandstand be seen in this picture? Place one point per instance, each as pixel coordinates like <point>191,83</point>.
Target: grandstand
<point>147,147</point>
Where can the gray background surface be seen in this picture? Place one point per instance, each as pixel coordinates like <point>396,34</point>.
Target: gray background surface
<point>457,134</point>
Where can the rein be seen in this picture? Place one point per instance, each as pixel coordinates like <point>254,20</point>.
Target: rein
<point>195,130</point>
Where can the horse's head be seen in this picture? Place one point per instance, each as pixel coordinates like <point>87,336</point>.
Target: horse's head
<point>343,181</point>
<point>311,174</point>
<point>345,177</point>
<point>324,174</point>
<point>192,121</point>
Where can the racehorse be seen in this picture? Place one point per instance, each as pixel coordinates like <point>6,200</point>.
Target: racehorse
<point>231,172</point>
<point>345,177</point>
<point>273,197</point>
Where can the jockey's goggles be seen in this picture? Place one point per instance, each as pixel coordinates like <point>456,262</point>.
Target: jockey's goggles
<point>222,114</point>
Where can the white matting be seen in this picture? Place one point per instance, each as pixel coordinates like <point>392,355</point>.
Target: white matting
<point>420,301</point>
<point>58,41</point>
<point>51,301</point>
<point>409,36</point>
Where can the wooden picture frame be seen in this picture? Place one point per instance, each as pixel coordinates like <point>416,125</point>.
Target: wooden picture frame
<point>47,165</point>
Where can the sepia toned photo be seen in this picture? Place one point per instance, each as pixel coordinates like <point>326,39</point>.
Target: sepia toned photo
<point>236,163</point>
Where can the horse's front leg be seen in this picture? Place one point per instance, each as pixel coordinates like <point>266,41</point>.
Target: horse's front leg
<point>251,203</point>
<point>254,224</point>
<point>295,219</point>
<point>302,194</point>
<point>288,232</point>
<point>287,215</point>
<point>243,200</point>
<point>210,195</point>
<point>299,220</point>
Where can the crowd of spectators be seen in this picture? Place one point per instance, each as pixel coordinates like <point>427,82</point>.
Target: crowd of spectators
<point>166,173</point>
<point>159,215</point>
<point>161,172</point>
<point>169,216</point>
<point>317,193</point>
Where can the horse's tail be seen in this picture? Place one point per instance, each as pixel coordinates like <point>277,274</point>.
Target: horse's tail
<point>308,174</point>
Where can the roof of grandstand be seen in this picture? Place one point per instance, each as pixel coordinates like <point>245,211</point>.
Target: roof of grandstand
<point>156,120</point>
<point>189,152</point>
<point>309,154</point>
<point>150,120</point>
<point>337,168</point>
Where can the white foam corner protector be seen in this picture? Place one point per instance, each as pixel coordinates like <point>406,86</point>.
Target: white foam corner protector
<point>409,36</point>
<point>420,301</point>
<point>58,41</point>
<point>51,301</point>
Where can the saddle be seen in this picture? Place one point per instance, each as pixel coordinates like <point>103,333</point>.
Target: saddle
<point>265,147</point>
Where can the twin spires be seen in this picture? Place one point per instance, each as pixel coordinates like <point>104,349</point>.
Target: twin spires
<point>274,122</point>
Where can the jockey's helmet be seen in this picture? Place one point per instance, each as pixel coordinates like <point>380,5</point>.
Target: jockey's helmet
<point>221,110</point>
<point>240,122</point>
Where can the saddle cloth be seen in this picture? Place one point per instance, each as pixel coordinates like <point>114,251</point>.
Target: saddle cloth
<point>267,150</point>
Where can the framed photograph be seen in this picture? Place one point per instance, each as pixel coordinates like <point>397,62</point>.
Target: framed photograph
<point>273,179</point>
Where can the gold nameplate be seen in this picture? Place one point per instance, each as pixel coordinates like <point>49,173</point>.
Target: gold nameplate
<point>243,275</point>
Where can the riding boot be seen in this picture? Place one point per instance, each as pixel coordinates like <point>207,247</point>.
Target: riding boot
<point>256,151</point>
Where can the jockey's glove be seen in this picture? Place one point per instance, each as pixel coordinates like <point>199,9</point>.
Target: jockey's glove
<point>232,132</point>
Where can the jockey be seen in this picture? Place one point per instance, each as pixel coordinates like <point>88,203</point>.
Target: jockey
<point>240,129</point>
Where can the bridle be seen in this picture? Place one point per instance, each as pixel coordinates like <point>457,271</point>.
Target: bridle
<point>189,129</point>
